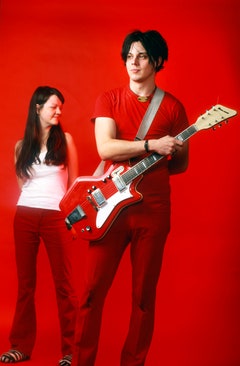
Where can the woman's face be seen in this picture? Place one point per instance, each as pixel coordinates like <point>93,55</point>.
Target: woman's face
<point>50,112</point>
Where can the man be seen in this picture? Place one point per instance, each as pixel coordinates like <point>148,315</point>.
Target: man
<point>144,225</point>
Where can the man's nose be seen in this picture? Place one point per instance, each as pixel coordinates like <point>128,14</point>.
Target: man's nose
<point>134,60</point>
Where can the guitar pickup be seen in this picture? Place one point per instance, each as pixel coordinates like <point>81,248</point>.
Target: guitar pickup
<point>119,183</point>
<point>76,215</point>
<point>99,197</point>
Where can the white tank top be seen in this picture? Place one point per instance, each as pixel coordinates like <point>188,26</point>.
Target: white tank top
<point>46,186</point>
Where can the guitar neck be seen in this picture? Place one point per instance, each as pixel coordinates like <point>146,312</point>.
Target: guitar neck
<point>153,158</point>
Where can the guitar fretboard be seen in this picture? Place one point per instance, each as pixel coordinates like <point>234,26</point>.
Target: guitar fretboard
<point>153,158</point>
<point>186,134</point>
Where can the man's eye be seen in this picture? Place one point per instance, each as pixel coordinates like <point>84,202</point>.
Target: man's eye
<point>140,56</point>
<point>143,56</point>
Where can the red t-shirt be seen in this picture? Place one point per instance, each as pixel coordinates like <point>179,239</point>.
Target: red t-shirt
<point>122,105</point>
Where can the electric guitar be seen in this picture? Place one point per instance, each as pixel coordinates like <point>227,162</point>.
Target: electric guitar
<point>93,203</point>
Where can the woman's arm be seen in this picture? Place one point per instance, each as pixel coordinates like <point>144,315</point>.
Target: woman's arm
<point>72,159</point>
<point>20,181</point>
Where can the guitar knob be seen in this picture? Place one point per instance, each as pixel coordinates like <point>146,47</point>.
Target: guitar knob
<point>88,228</point>
<point>93,187</point>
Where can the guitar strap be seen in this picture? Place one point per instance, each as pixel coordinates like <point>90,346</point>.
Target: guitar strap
<point>150,114</point>
<point>145,124</point>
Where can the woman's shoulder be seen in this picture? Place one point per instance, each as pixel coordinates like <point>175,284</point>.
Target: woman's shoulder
<point>18,145</point>
<point>68,136</point>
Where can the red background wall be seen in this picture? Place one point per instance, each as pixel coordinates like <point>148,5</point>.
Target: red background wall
<point>75,47</point>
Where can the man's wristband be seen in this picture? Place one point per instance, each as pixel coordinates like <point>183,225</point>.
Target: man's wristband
<point>146,147</point>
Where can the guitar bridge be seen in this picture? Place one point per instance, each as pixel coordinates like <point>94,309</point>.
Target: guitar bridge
<point>76,215</point>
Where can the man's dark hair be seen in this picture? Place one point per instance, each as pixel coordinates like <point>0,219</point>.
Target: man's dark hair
<point>154,44</point>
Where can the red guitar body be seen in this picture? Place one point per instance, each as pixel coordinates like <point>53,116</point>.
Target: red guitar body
<point>93,203</point>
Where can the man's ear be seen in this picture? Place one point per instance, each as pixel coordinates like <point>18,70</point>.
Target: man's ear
<point>159,62</point>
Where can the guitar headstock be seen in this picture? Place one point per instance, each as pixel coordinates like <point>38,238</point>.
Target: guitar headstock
<point>213,117</point>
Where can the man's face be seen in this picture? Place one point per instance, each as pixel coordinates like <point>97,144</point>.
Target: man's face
<point>138,66</point>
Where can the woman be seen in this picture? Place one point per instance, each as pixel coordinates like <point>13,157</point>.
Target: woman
<point>46,165</point>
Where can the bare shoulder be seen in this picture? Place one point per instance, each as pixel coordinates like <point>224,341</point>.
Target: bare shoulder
<point>69,137</point>
<point>18,146</point>
<point>17,149</point>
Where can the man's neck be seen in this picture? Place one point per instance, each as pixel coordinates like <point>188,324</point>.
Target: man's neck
<point>142,89</point>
